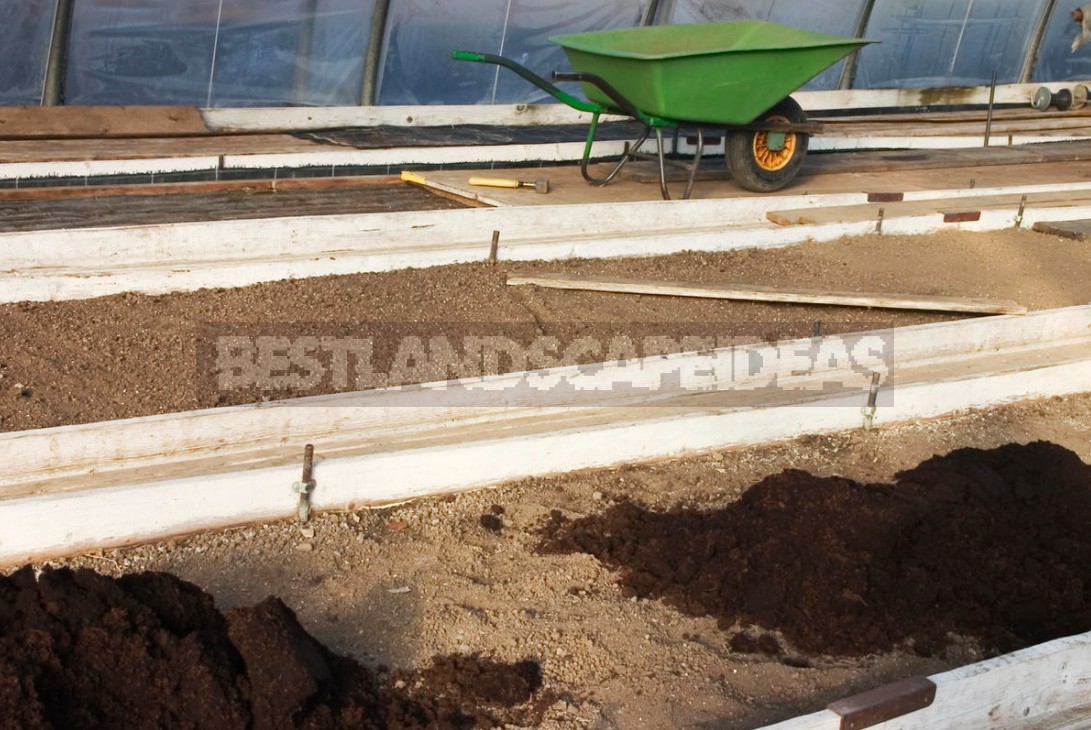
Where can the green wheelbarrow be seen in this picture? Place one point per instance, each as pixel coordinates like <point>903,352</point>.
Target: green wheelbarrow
<point>735,77</point>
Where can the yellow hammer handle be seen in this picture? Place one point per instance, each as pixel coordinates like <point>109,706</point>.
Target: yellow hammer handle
<point>495,182</point>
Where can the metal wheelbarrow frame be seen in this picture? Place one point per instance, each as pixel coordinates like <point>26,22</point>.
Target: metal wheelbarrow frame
<point>696,70</point>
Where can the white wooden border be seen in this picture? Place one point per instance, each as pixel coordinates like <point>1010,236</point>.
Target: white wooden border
<point>365,416</point>
<point>162,258</point>
<point>483,155</point>
<point>295,118</point>
<point>269,119</point>
<point>1043,687</point>
<point>831,143</point>
<point>92,168</point>
<point>169,475</point>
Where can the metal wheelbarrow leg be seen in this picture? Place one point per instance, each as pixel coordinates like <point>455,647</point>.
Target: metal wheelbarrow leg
<point>649,121</point>
<point>621,106</point>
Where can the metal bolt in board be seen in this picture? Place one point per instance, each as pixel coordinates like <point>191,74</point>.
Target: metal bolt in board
<point>306,485</point>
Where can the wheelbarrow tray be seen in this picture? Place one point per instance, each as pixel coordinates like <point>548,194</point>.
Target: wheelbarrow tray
<point>716,73</point>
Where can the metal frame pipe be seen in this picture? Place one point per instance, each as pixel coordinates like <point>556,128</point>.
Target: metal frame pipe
<point>374,56</point>
<point>53,88</point>
<point>848,71</point>
<point>1035,46</point>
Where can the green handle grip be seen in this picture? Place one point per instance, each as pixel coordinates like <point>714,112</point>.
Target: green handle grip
<point>468,56</point>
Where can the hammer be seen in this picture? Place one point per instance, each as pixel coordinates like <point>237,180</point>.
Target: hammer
<point>540,186</point>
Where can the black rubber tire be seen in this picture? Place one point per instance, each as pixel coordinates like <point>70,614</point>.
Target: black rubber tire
<point>739,152</point>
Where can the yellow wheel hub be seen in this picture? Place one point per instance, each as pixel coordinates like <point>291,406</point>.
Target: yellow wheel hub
<point>770,159</point>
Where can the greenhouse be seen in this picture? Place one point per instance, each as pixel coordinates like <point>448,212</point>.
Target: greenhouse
<point>229,53</point>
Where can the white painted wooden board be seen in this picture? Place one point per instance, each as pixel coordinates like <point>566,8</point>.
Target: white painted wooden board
<point>88,168</point>
<point>1043,687</point>
<point>187,472</point>
<point>155,259</point>
<point>366,417</point>
<point>276,119</point>
<point>39,527</point>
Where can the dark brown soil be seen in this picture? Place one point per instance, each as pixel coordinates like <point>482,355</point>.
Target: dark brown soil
<point>147,650</point>
<point>987,546</point>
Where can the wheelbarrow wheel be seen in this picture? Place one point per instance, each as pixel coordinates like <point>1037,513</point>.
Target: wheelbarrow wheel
<point>764,161</point>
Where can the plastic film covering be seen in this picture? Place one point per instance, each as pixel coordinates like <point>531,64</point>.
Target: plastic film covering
<point>836,17</point>
<point>26,28</point>
<point>959,43</point>
<point>1056,59</point>
<point>420,35</point>
<point>217,52</point>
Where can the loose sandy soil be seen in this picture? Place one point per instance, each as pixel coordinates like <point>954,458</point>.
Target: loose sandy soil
<point>399,585</point>
<point>125,356</point>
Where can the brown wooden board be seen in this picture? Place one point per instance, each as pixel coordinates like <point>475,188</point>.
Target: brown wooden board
<point>754,293</point>
<point>203,186</point>
<point>1077,230</point>
<point>58,122</point>
<point>884,703</point>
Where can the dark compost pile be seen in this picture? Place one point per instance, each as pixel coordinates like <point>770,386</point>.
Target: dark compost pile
<point>992,546</point>
<point>82,650</point>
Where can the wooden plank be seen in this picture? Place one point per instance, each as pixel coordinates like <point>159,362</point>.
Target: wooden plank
<point>1043,687</point>
<point>205,186</point>
<point>63,150</point>
<point>927,128</point>
<point>961,216</point>
<point>164,504</point>
<point>942,117</point>
<point>1005,94</point>
<point>1079,230</point>
<point>897,699</point>
<point>754,293</point>
<point>309,118</point>
<point>59,122</point>
<point>969,208</point>
<point>457,193</point>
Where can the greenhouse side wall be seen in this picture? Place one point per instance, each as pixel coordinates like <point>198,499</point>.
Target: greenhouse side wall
<point>228,53</point>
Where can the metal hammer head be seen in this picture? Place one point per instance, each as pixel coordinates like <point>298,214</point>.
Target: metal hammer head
<point>540,186</point>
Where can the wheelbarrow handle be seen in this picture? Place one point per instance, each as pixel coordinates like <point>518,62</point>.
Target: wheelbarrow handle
<point>616,96</point>
<point>558,94</point>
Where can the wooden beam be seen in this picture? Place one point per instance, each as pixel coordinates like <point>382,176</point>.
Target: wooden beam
<point>754,293</point>
<point>203,186</point>
<point>54,122</point>
<point>1076,230</point>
